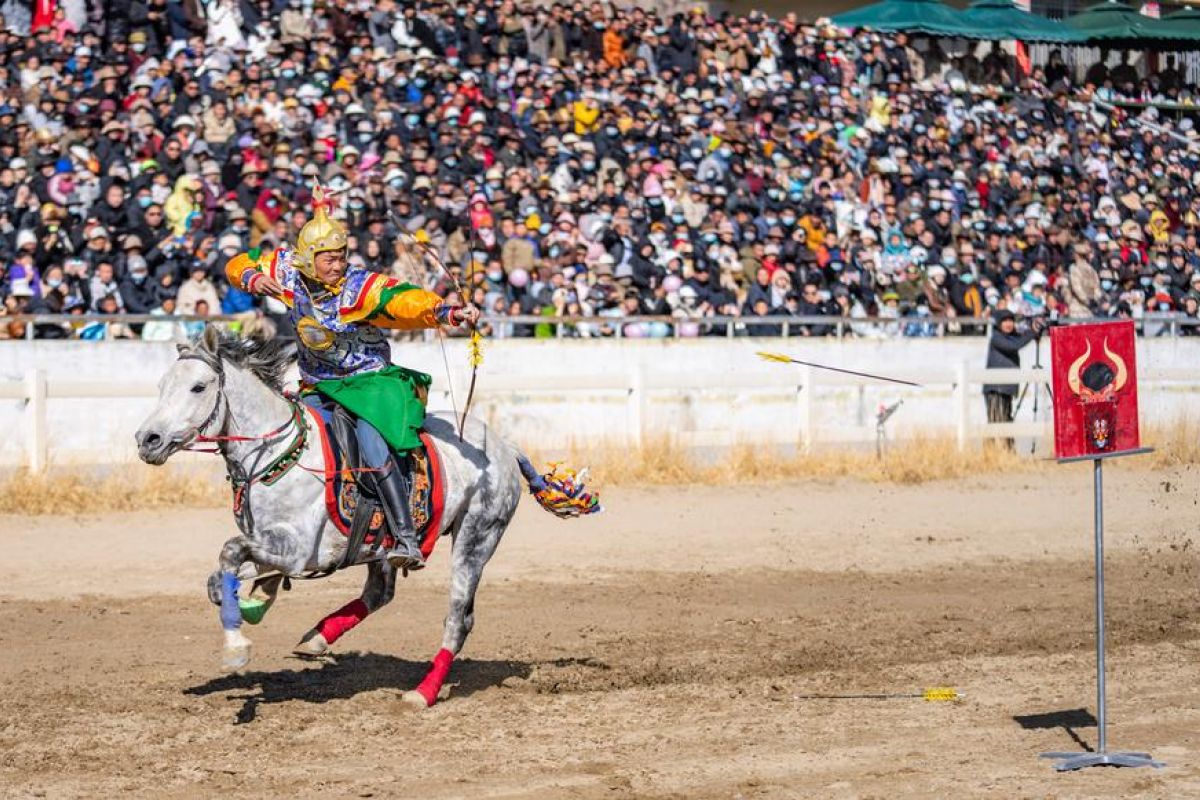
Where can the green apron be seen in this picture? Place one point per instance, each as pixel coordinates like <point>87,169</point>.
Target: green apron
<point>392,399</point>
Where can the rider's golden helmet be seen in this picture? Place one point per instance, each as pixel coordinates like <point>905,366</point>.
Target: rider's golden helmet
<point>321,234</point>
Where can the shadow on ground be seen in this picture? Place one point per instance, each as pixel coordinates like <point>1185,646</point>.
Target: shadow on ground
<point>342,676</point>
<point>1068,720</point>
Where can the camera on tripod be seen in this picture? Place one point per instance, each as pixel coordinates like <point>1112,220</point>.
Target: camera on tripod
<point>1041,322</point>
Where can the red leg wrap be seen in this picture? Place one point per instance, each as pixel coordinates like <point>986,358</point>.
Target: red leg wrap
<point>432,684</point>
<point>342,620</point>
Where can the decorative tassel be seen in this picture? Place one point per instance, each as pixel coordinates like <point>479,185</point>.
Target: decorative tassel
<point>475,348</point>
<point>562,492</point>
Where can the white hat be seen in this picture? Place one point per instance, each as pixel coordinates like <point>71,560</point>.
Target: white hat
<point>185,120</point>
<point>24,237</point>
<point>18,163</point>
<point>21,288</point>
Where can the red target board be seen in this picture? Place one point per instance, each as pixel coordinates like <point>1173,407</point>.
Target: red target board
<point>1094,369</point>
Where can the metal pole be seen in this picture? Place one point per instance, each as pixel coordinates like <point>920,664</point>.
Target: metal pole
<point>1098,475</point>
<point>1100,756</point>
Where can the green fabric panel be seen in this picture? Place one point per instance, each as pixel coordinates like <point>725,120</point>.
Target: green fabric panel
<point>386,296</point>
<point>387,399</point>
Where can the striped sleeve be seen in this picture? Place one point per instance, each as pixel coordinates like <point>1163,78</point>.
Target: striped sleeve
<point>388,303</point>
<point>241,269</point>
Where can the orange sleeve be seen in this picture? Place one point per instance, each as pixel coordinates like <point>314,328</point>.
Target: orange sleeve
<point>388,303</point>
<point>242,267</point>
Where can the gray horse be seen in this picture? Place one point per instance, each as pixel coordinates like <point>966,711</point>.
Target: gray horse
<point>228,391</point>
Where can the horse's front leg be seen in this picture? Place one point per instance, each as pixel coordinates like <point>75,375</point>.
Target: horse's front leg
<point>223,590</point>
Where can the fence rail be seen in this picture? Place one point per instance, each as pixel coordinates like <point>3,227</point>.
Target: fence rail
<point>638,388</point>
<point>1157,324</point>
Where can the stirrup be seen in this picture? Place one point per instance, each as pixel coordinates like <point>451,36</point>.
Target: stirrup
<point>406,558</point>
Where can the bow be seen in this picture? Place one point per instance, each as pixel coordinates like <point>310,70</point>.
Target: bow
<point>475,348</point>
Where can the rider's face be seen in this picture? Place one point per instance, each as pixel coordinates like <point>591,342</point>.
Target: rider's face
<point>330,266</point>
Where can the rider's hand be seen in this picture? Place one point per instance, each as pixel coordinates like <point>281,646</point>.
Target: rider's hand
<point>467,314</point>
<point>264,285</point>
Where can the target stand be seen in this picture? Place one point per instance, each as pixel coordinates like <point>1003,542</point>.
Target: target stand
<point>1096,418</point>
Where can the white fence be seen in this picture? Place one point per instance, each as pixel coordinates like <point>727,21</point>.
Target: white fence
<point>773,405</point>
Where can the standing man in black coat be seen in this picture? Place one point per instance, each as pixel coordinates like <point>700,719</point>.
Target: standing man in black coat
<point>1004,352</point>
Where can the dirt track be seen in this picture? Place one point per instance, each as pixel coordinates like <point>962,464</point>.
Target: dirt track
<point>669,648</point>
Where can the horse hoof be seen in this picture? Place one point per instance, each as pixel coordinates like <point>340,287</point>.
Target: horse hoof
<point>415,700</point>
<point>234,658</point>
<point>313,644</point>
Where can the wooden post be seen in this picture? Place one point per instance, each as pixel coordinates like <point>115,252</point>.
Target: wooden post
<point>962,404</point>
<point>809,377</point>
<point>37,442</point>
<point>635,414</point>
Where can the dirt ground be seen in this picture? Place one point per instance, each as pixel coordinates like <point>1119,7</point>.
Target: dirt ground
<point>682,645</point>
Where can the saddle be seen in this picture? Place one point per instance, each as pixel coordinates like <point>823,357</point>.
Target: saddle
<point>351,497</point>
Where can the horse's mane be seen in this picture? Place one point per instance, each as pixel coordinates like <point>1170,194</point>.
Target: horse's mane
<point>267,359</point>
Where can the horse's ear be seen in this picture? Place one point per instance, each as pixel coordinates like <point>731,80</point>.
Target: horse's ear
<point>211,338</point>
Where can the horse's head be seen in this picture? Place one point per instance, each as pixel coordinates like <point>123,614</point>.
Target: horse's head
<point>189,401</point>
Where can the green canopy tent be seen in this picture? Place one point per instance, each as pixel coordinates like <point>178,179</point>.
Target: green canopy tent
<point>1107,21</point>
<point>1113,23</point>
<point>1188,16</point>
<point>1182,27</point>
<point>908,16</point>
<point>1001,19</point>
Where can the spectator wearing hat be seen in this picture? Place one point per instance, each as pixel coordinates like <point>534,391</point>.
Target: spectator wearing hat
<point>198,288</point>
<point>136,288</point>
<point>1083,284</point>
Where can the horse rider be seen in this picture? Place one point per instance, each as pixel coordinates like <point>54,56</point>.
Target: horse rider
<point>338,311</point>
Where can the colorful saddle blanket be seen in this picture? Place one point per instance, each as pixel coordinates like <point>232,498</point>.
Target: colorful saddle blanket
<point>426,499</point>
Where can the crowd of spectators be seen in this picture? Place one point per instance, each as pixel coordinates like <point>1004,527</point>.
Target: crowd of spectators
<point>576,159</point>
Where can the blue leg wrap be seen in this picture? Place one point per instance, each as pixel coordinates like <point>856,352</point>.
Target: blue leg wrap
<point>536,482</point>
<point>231,615</point>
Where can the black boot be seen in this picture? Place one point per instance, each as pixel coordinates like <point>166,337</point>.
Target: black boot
<point>392,485</point>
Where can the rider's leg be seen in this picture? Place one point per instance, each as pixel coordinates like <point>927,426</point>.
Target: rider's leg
<point>392,480</point>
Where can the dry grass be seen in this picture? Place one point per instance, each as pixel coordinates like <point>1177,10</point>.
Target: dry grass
<point>660,463</point>
<point>917,460</point>
<point>912,461</point>
<point>1174,445</point>
<point>129,488</point>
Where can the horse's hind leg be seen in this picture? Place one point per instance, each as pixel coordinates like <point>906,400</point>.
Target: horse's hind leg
<point>377,593</point>
<point>473,547</point>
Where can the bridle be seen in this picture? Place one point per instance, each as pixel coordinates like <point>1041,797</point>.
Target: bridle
<point>241,478</point>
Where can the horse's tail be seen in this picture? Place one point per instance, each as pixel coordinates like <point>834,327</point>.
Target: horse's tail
<point>562,492</point>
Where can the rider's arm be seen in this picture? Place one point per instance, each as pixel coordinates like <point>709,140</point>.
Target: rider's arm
<point>243,269</point>
<point>388,303</point>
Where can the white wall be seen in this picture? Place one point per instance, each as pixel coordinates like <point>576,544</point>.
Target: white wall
<point>699,391</point>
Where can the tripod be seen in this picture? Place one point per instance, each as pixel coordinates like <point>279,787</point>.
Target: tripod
<point>1037,390</point>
